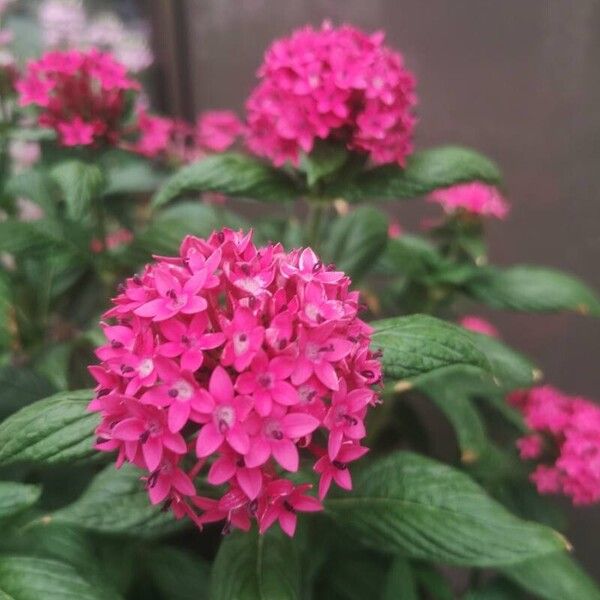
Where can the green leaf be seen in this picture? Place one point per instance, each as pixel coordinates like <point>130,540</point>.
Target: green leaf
<point>116,502</point>
<point>167,230</point>
<point>533,289</point>
<point>407,504</point>
<point>356,241</point>
<point>54,430</point>
<point>400,582</point>
<point>419,344</point>
<point>178,575</point>
<point>127,174</point>
<point>42,238</point>
<point>324,160</point>
<point>235,175</point>
<point>451,391</point>
<point>425,171</point>
<point>35,185</point>
<point>497,589</point>
<point>510,369</point>
<point>554,577</point>
<point>80,183</point>
<point>20,386</point>
<point>53,363</point>
<point>16,497</point>
<point>249,566</point>
<point>412,256</point>
<point>351,575</point>
<point>27,578</point>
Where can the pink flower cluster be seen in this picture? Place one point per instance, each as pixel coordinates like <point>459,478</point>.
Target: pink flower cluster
<point>332,83</point>
<point>81,95</point>
<point>214,131</point>
<point>567,430</point>
<point>474,198</point>
<point>237,359</point>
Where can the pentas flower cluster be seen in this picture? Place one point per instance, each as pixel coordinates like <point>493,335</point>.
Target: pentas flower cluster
<point>81,95</point>
<point>474,198</point>
<point>332,83</point>
<point>236,360</point>
<point>566,437</point>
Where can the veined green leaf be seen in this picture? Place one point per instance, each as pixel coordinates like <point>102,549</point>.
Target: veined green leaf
<point>27,578</point>
<point>419,344</point>
<point>54,430</point>
<point>554,577</point>
<point>80,183</point>
<point>235,175</point>
<point>253,567</point>
<point>116,502</point>
<point>425,171</point>
<point>407,504</point>
<point>533,289</point>
<point>356,241</point>
<point>16,497</point>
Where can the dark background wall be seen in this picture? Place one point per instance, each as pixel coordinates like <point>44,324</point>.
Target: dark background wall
<point>518,80</point>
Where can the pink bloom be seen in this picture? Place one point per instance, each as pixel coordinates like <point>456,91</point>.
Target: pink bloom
<point>318,349</point>
<point>267,383</point>
<point>337,470</point>
<point>571,427</point>
<point>155,134</point>
<point>474,198</point>
<point>332,83</point>
<point>81,95</point>
<point>146,428</point>
<point>189,341</point>
<point>166,479</point>
<point>286,501</point>
<point>233,363</point>
<point>244,339</point>
<point>217,130</point>
<point>479,325</point>
<point>227,414</point>
<point>530,446</point>
<point>345,417</point>
<point>394,230</point>
<point>174,298</point>
<point>276,436</point>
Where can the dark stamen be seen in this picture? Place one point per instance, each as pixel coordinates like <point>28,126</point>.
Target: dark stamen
<point>144,437</point>
<point>116,344</point>
<point>339,465</point>
<point>288,506</point>
<point>277,435</point>
<point>102,392</point>
<point>173,393</point>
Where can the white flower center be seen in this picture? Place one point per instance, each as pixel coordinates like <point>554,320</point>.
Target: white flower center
<point>145,367</point>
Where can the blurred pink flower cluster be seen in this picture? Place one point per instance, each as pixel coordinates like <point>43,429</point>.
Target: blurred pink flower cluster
<point>81,95</point>
<point>66,25</point>
<point>174,139</point>
<point>332,83</point>
<point>237,359</point>
<point>566,428</point>
<point>473,198</point>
